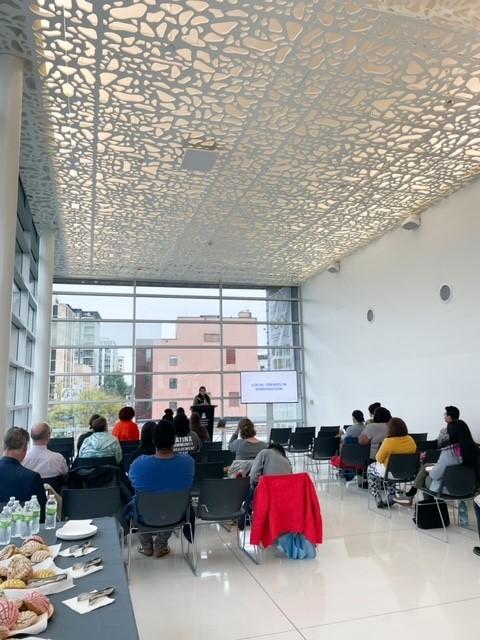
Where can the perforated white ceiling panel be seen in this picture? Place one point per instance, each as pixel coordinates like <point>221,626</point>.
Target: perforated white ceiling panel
<point>332,122</point>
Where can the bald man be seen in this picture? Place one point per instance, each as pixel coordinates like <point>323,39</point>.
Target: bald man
<point>48,464</point>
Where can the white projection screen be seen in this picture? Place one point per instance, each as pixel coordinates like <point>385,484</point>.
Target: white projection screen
<point>260,387</point>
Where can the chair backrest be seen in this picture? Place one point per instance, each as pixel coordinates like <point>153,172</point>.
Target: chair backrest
<point>159,509</point>
<point>329,431</point>
<point>94,462</point>
<point>325,447</point>
<point>55,482</point>
<point>459,481</point>
<point>196,455</point>
<point>211,446</point>
<point>90,503</point>
<point>403,466</point>
<point>65,446</point>
<point>280,436</point>
<point>427,445</point>
<point>222,499</point>
<point>301,440</point>
<point>225,457</point>
<point>129,455</point>
<point>310,430</point>
<point>419,437</point>
<point>128,445</point>
<point>208,470</point>
<point>355,455</point>
<point>432,456</point>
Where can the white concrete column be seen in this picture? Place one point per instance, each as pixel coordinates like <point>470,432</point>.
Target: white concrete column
<point>44,327</point>
<point>11,88</point>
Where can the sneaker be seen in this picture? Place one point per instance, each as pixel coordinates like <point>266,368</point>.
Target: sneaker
<point>411,492</point>
<point>391,500</point>
<point>380,503</point>
<point>159,553</point>
<point>476,551</point>
<point>145,551</point>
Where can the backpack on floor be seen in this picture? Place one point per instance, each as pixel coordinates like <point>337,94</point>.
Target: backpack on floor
<point>428,516</point>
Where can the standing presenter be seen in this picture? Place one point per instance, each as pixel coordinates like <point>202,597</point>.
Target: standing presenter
<point>202,397</point>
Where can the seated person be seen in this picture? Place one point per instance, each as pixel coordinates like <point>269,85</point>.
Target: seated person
<point>397,441</point>
<point>101,444</point>
<point>168,415</point>
<point>356,428</point>
<point>376,432</point>
<point>185,440</point>
<point>126,429</point>
<point>197,427</point>
<point>272,461</point>
<point>49,464</point>
<point>165,471</point>
<point>16,480</point>
<point>371,411</point>
<point>461,450</point>
<point>247,446</point>
<point>87,434</point>
<point>451,414</point>
<point>146,446</point>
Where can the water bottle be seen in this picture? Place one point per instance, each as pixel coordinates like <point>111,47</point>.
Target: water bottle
<point>463,514</point>
<point>24,523</point>
<point>16,515</point>
<point>5,527</point>
<point>35,527</point>
<point>10,504</point>
<point>51,512</point>
<point>28,518</point>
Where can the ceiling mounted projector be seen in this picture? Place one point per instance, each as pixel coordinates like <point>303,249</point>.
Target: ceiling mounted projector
<point>334,267</point>
<point>412,222</point>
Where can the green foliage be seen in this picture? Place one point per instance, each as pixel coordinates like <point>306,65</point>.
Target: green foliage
<point>114,383</point>
<point>90,401</point>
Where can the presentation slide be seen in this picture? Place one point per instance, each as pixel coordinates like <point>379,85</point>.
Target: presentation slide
<point>268,386</point>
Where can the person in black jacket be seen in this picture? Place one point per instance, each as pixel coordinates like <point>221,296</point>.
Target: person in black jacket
<point>15,480</point>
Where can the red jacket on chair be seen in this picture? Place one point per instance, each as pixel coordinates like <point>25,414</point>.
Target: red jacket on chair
<point>286,504</point>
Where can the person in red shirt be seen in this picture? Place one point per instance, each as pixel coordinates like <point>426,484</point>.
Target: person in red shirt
<point>126,428</point>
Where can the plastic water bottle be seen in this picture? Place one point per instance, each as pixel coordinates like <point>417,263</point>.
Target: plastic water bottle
<point>5,527</point>
<point>463,514</point>
<point>10,504</point>
<point>51,512</point>
<point>16,515</point>
<point>35,525</point>
<point>25,522</point>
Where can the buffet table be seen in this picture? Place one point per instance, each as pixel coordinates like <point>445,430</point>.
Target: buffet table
<point>117,620</point>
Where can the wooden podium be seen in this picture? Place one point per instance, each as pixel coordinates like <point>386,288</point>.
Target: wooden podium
<point>207,414</point>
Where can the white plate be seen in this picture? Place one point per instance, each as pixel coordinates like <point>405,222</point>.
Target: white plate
<point>77,534</point>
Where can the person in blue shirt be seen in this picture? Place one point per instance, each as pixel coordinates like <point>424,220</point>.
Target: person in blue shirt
<point>166,471</point>
<point>16,480</point>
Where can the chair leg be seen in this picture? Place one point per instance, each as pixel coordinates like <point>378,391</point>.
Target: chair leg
<point>129,551</point>
<point>256,556</point>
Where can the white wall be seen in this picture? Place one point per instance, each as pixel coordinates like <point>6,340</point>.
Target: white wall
<point>419,354</point>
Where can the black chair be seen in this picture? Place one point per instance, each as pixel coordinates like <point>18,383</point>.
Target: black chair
<point>206,471</point>
<point>301,442</point>
<point>458,483</point>
<point>196,455</point>
<point>419,437</point>
<point>129,445</point>
<point>328,432</point>
<point>211,446</point>
<point>94,462</point>
<point>164,512</point>
<point>222,500</point>
<point>129,455</point>
<point>432,456</point>
<point>354,457</point>
<point>65,446</point>
<point>323,450</point>
<point>225,457</point>
<point>427,445</point>
<point>310,430</point>
<point>280,436</point>
<point>401,468</point>
<point>79,504</point>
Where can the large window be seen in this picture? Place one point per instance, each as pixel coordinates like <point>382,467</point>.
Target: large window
<point>24,311</point>
<point>118,344</point>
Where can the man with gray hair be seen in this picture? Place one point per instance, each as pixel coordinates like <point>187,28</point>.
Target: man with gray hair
<point>48,464</point>
<point>15,480</point>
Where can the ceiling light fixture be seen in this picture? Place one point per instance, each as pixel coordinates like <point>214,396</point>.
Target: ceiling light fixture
<point>334,267</point>
<point>412,222</point>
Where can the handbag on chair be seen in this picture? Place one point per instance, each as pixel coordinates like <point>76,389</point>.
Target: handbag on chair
<point>428,516</point>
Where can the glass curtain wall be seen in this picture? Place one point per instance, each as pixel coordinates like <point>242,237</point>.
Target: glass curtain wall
<point>154,346</point>
<point>23,324</point>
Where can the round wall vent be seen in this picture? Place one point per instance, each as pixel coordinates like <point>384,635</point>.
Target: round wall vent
<point>445,293</point>
<point>370,315</point>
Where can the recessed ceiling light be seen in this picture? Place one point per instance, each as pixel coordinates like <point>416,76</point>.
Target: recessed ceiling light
<point>199,160</point>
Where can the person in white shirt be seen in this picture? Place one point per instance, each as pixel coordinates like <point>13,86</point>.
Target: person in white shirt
<point>48,464</point>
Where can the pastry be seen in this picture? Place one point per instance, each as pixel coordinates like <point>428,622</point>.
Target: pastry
<point>29,548</point>
<point>3,572</point>
<point>19,568</point>
<point>44,573</point>
<point>8,613</point>
<point>37,602</point>
<point>40,555</point>
<point>7,552</point>
<point>13,584</point>
<point>35,539</point>
<point>26,619</point>
<point>4,632</point>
